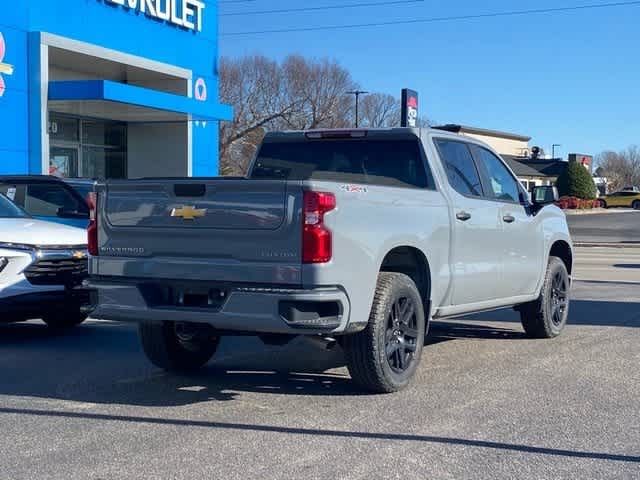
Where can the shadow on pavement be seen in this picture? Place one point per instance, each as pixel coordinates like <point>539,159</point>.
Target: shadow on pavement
<point>457,330</point>
<point>326,433</point>
<point>102,362</point>
<point>581,313</point>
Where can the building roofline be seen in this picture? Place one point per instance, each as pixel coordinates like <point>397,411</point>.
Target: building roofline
<point>483,131</point>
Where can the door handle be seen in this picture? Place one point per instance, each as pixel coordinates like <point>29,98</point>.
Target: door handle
<point>463,216</point>
<point>509,218</point>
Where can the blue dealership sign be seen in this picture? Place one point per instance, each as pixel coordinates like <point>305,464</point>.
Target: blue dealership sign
<point>38,36</point>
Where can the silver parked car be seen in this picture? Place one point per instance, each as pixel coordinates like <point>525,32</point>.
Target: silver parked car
<point>360,236</point>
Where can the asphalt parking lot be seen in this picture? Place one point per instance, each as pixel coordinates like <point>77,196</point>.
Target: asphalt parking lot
<point>614,226</point>
<point>486,403</point>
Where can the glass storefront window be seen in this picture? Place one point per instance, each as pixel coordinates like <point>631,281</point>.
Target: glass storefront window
<point>103,133</point>
<point>64,129</point>
<point>88,148</point>
<point>103,163</point>
<point>63,161</point>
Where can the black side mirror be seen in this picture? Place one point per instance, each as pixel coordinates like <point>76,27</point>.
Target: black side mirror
<point>544,195</point>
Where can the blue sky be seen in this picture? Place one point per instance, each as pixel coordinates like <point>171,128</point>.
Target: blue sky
<point>567,78</point>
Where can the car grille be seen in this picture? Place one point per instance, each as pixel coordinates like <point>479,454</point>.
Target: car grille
<point>69,272</point>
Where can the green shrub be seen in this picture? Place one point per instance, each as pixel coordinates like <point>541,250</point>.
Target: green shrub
<point>576,181</point>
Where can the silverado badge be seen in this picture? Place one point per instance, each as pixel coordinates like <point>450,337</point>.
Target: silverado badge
<point>188,213</point>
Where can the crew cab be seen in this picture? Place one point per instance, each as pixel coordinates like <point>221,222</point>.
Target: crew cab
<point>359,236</point>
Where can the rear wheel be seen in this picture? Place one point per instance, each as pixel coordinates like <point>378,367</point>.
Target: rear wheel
<point>602,204</point>
<point>547,316</point>
<point>636,205</point>
<point>177,347</point>
<point>64,319</point>
<point>385,355</point>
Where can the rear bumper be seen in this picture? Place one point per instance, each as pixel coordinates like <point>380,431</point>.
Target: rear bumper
<point>246,309</point>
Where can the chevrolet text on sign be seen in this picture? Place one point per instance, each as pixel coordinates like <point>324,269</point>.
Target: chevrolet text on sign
<point>182,13</point>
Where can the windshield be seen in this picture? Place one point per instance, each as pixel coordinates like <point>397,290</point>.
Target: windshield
<point>9,210</point>
<point>374,162</point>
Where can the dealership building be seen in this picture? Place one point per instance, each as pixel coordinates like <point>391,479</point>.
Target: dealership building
<point>109,88</point>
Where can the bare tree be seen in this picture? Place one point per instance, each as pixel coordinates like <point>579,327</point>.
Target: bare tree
<point>380,110</point>
<point>253,85</point>
<point>622,169</point>
<point>297,94</point>
<point>320,86</point>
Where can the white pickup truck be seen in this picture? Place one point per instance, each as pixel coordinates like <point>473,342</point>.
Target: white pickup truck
<point>359,236</point>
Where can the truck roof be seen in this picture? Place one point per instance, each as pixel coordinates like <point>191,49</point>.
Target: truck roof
<point>396,132</point>
<point>345,133</point>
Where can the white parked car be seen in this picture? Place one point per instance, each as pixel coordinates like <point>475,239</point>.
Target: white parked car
<point>42,265</point>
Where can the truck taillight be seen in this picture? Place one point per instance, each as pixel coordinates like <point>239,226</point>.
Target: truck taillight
<point>316,237</point>
<point>92,229</point>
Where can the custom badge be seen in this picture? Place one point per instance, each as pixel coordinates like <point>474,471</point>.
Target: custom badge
<point>353,188</point>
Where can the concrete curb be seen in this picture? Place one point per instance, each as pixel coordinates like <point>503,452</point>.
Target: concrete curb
<point>598,211</point>
<point>605,245</point>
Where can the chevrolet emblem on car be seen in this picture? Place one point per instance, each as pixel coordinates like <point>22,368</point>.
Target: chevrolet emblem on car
<point>188,213</point>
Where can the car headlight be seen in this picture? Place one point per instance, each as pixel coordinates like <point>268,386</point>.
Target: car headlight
<point>4,261</point>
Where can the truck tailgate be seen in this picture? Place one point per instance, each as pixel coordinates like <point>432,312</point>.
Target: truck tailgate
<point>227,230</point>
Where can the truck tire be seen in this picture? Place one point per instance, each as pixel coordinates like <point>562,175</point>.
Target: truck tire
<point>546,317</point>
<point>169,351</point>
<point>64,320</point>
<point>384,357</point>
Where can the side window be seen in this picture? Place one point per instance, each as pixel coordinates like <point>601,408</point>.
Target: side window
<point>461,168</point>
<point>13,192</point>
<point>502,184</point>
<point>50,200</point>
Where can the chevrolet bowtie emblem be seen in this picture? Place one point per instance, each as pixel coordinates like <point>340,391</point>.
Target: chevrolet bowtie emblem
<point>79,255</point>
<point>189,213</point>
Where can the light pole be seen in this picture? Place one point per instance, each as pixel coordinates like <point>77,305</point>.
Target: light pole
<point>553,150</point>
<point>357,94</point>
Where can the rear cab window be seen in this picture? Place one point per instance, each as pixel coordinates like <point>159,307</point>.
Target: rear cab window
<point>369,161</point>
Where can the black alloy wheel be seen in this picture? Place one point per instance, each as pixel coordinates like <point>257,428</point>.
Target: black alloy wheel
<point>401,337</point>
<point>559,298</point>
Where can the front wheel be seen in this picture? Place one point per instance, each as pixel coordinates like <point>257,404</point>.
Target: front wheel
<point>546,317</point>
<point>176,347</point>
<point>636,205</point>
<point>385,355</point>
<point>602,204</point>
